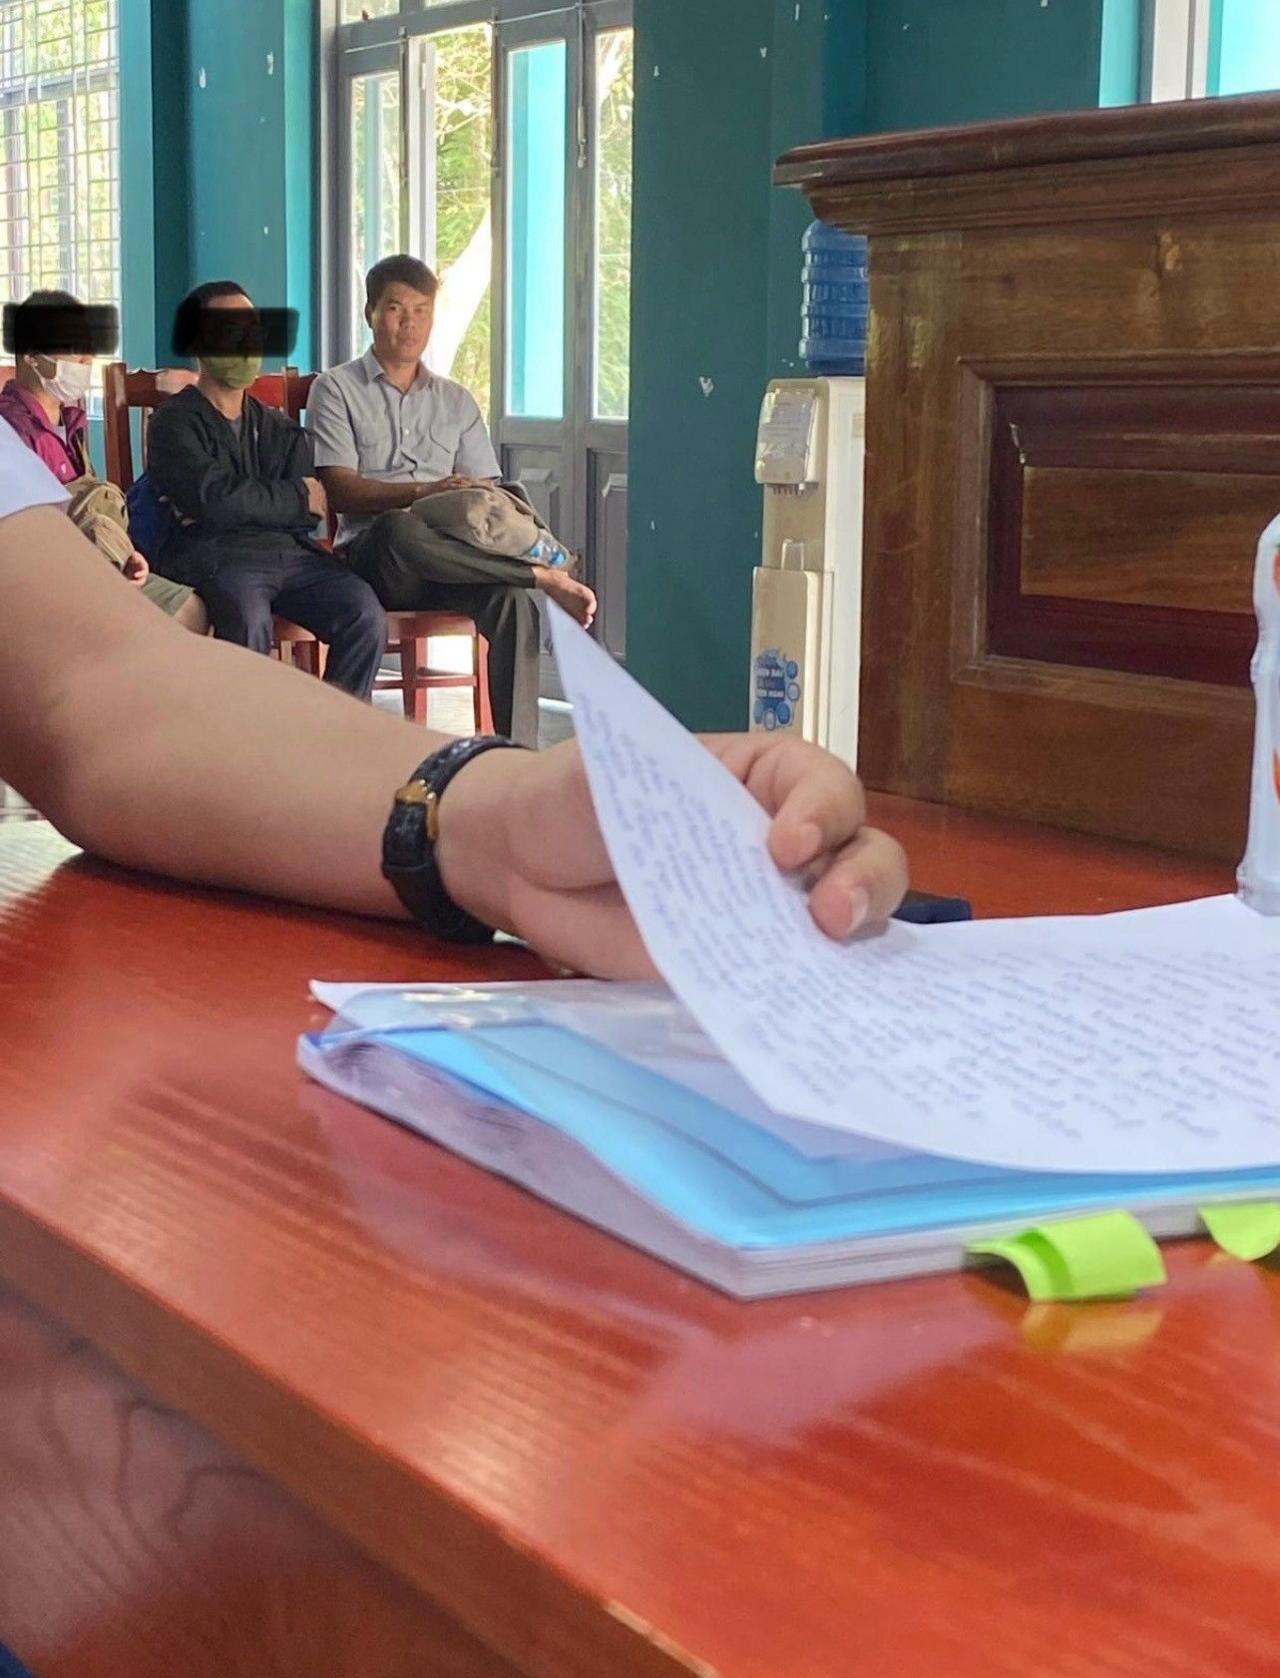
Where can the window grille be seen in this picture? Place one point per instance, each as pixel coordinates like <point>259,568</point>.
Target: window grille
<point>59,148</point>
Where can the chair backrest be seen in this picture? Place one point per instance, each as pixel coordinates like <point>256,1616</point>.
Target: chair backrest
<point>297,392</point>
<point>125,392</point>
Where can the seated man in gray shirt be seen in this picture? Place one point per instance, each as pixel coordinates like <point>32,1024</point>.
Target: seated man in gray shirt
<point>388,432</point>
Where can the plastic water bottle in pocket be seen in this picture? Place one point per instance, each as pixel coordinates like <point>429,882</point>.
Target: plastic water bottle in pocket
<point>547,551</point>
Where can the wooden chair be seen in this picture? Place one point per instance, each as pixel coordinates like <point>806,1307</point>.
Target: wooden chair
<point>125,392</point>
<point>407,632</point>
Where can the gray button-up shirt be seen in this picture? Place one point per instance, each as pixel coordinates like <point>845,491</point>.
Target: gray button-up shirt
<point>359,419</point>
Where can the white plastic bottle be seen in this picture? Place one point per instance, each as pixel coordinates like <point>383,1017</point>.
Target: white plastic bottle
<point>1259,876</point>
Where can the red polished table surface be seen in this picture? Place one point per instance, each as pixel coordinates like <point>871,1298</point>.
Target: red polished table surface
<point>594,1464</point>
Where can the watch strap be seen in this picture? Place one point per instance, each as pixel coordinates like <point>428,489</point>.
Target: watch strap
<point>409,842</point>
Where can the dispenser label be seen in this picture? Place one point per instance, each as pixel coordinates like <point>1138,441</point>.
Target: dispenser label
<point>776,690</point>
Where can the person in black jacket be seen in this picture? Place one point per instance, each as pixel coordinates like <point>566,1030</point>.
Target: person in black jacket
<point>240,480</point>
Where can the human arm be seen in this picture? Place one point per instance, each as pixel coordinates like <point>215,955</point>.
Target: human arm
<point>360,497</point>
<point>187,469</point>
<point>300,462</point>
<point>236,771</point>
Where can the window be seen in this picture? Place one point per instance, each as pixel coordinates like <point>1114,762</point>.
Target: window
<point>59,148</point>
<point>1211,47</point>
<point>537,110</point>
<point>493,139</point>
<point>450,185</point>
<point>360,11</point>
<point>375,183</point>
<point>615,104</point>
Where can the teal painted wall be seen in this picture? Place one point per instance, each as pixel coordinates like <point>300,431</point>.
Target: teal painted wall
<point>721,89</point>
<point>153,172</point>
<point>301,127</point>
<point>945,61</point>
<point>818,57</point>
<point>218,159</point>
<point>249,169</point>
<point>700,290</point>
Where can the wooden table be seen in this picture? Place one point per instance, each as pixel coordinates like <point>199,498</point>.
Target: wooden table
<point>285,1390</point>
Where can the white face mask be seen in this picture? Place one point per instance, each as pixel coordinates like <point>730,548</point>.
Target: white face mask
<point>70,382</point>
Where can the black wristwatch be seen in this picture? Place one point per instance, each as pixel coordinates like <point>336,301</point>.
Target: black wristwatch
<point>409,842</point>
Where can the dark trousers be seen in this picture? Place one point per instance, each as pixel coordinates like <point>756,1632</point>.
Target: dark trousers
<point>413,568</point>
<point>309,589</point>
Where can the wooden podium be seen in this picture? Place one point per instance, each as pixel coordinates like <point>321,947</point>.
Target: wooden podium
<point>1073,443</point>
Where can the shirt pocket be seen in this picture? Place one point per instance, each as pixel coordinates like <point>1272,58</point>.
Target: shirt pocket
<point>431,441</point>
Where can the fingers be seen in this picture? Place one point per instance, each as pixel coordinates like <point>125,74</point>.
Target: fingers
<point>816,800</point>
<point>862,885</point>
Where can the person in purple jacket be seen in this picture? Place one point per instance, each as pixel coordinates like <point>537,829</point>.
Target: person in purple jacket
<point>45,404</point>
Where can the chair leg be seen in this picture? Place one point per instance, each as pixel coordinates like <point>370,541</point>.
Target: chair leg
<point>483,704</point>
<point>413,657</point>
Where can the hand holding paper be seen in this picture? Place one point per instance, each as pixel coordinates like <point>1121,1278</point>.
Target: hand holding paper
<point>521,844</point>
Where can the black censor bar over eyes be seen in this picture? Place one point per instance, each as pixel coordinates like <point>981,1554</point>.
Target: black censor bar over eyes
<point>54,329</point>
<point>204,331</point>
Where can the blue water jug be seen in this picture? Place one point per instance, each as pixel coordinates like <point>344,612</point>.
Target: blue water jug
<point>836,301</point>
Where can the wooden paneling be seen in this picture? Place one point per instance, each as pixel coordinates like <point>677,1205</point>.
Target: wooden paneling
<point>1095,438</point>
<point>1178,540</point>
<point>1094,298</point>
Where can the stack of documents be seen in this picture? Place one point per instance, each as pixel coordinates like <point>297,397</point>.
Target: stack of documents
<point>792,1113</point>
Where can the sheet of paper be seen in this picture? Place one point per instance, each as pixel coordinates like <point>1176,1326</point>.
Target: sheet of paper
<point>1146,1042</point>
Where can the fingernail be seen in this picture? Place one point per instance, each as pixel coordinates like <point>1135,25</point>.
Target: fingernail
<point>859,908</point>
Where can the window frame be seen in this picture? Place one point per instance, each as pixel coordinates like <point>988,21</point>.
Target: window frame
<point>1176,37</point>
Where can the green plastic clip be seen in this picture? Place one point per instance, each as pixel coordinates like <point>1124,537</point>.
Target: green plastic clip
<point>1106,1256</point>
<point>1245,1229</point>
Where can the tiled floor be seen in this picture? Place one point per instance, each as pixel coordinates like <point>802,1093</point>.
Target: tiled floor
<point>450,709</point>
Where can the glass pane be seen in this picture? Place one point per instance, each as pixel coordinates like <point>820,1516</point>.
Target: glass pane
<point>59,150</point>
<point>375,185</point>
<point>1245,47</point>
<point>615,103</point>
<point>456,237</point>
<point>354,10</point>
<point>537,102</point>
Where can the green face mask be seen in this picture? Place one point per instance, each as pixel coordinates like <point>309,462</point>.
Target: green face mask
<point>237,372</point>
